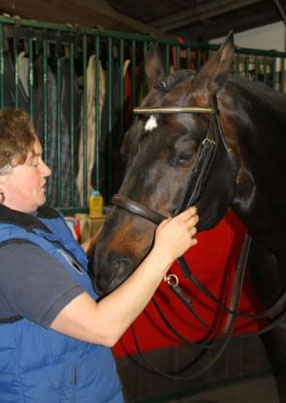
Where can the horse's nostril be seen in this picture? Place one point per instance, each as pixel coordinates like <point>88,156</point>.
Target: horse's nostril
<point>110,273</point>
<point>122,267</point>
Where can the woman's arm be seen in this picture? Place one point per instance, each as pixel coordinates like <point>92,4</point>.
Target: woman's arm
<point>105,322</point>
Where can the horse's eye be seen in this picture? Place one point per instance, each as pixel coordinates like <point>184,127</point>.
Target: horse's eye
<point>182,159</point>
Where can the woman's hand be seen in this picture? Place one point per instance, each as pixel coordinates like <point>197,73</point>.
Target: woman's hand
<point>174,236</point>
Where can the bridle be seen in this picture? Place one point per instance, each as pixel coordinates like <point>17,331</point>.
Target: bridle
<point>192,194</point>
<point>199,174</point>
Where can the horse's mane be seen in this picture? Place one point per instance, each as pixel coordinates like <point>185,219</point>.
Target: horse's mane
<point>249,99</point>
<point>257,91</point>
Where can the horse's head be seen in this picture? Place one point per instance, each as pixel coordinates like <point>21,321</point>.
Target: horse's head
<point>161,151</point>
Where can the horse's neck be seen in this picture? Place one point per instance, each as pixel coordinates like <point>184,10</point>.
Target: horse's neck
<point>264,217</point>
<point>260,198</point>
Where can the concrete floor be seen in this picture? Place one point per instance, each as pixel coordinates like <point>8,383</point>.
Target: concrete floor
<point>242,375</point>
<point>262,390</point>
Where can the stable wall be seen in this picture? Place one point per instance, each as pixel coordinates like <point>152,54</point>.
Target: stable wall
<point>268,37</point>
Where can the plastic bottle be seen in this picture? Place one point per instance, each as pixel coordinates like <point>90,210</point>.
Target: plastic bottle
<point>95,204</point>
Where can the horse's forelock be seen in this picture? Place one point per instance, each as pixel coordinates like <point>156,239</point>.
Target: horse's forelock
<point>169,82</point>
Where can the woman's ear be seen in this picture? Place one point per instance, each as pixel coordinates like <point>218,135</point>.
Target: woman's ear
<point>2,196</point>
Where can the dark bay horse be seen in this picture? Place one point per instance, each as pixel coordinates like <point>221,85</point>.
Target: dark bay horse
<point>246,174</point>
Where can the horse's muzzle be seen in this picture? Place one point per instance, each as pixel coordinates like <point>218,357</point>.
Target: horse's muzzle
<point>109,272</point>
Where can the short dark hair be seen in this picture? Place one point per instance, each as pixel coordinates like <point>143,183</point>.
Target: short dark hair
<point>17,137</point>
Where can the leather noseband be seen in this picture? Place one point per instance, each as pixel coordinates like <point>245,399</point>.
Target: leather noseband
<point>138,209</point>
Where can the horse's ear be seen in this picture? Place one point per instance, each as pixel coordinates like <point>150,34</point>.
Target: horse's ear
<point>154,66</point>
<point>216,69</point>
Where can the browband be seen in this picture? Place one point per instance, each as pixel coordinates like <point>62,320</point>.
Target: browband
<point>141,110</point>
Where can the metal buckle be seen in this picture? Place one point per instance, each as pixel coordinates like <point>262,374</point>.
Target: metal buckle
<point>211,142</point>
<point>172,279</point>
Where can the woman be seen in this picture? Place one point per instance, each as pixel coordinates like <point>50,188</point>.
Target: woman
<point>55,338</point>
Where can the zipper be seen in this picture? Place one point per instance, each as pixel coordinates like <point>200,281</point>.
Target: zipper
<point>75,377</point>
<point>74,387</point>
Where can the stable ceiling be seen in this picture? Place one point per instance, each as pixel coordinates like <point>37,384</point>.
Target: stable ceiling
<point>190,19</point>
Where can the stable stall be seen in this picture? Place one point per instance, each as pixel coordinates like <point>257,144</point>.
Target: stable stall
<point>80,86</point>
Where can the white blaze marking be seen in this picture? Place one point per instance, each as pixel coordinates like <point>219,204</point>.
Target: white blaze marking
<point>151,123</point>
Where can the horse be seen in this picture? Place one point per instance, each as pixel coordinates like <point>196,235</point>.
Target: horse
<point>239,126</point>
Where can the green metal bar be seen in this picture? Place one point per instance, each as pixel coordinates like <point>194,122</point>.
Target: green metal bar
<point>71,211</point>
<point>188,50</point>
<point>256,68</point>
<point>133,73</point>
<point>59,130</point>
<point>283,76</point>
<point>121,90</point>
<point>97,112</point>
<point>109,103</point>
<point>246,66</point>
<point>280,83</point>
<point>274,74</point>
<point>1,66</point>
<point>145,83</point>
<point>264,69</point>
<point>84,127</point>
<point>45,107</point>
<point>237,63</point>
<point>199,59</point>
<point>101,33</point>
<point>16,75</point>
<point>209,53</point>
<point>145,49</point>
<point>31,79</point>
<point>167,53</point>
<point>232,65</point>
<point>178,57</point>
<point>72,126</point>
<point>131,36</point>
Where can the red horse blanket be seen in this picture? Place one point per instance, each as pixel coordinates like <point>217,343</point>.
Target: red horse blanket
<point>213,261</point>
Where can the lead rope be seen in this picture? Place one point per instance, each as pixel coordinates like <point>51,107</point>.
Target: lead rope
<point>150,366</point>
<point>241,266</point>
<point>173,282</point>
<point>188,274</point>
<point>228,331</point>
<point>152,215</point>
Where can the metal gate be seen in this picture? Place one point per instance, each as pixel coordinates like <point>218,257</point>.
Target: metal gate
<point>80,86</point>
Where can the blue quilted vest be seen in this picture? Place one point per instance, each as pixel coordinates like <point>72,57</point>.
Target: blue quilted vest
<point>39,365</point>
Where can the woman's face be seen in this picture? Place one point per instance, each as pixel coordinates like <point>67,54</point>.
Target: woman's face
<point>25,187</point>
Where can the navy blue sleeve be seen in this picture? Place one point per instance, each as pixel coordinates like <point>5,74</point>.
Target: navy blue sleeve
<point>33,284</point>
